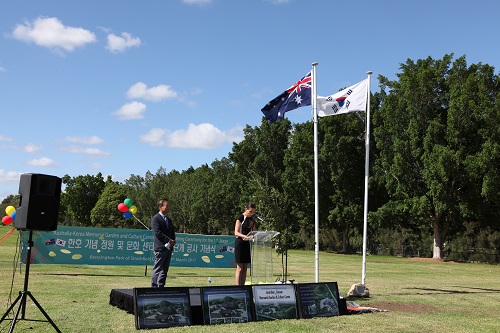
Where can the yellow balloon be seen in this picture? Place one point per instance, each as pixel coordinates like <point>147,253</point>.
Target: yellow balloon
<point>9,210</point>
<point>133,209</point>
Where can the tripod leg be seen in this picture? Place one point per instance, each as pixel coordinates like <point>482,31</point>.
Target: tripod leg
<point>23,295</point>
<point>44,313</point>
<point>22,298</point>
<point>11,307</point>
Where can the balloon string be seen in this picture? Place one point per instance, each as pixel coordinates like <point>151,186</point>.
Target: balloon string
<point>140,222</point>
<point>7,235</point>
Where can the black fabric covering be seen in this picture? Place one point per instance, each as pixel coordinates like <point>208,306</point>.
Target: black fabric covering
<point>123,299</point>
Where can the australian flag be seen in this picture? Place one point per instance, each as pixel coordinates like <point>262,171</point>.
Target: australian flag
<point>294,97</point>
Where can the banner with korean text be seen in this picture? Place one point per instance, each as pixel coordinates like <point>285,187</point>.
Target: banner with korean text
<point>131,247</point>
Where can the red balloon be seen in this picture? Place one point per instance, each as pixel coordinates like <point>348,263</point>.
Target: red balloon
<point>122,207</point>
<point>7,220</point>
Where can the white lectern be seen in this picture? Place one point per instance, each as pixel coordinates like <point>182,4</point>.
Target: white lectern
<point>262,256</point>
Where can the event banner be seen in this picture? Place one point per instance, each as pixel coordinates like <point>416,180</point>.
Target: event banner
<point>132,247</point>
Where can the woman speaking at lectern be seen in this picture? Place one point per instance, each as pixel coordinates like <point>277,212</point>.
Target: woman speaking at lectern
<point>245,223</point>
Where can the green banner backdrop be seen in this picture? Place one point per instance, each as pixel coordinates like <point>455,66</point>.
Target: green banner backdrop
<point>132,247</point>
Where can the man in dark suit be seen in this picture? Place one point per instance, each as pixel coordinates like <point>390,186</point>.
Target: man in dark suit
<point>164,242</point>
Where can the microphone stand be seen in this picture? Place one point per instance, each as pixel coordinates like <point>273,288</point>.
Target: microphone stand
<point>284,266</point>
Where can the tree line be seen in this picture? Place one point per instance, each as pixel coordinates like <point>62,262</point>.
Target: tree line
<point>434,185</point>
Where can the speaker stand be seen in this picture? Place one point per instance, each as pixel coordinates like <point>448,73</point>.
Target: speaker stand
<point>23,296</point>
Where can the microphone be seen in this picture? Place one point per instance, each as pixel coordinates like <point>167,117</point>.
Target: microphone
<point>258,217</point>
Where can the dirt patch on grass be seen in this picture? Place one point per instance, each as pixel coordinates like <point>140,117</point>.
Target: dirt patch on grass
<point>402,307</point>
<point>425,259</point>
<point>431,260</point>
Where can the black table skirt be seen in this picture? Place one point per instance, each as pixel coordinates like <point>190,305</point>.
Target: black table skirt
<point>123,299</point>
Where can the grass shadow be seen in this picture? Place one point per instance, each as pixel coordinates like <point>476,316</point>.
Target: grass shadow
<point>426,291</point>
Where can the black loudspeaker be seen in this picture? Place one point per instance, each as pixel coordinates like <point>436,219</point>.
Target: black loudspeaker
<point>39,203</point>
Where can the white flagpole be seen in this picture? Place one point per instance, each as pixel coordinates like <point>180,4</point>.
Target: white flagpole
<point>316,186</point>
<point>367,167</point>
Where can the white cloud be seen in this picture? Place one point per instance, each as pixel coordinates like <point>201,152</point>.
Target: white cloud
<point>235,134</point>
<point>158,93</point>
<point>28,148</point>
<point>88,140</point>
<point>94,166</point>
<point>44,161</point>
<point>87,151</point>
<point>202,136</point>
<point>132,110</point>
<point>10,177</point>
<point>117,44</point>
<point>197,2</point>
<point>279,2</point>
<point>154,137</point>
<point>186,98</point>
<point>49,32</point>
<point>31,148</point>
<point>2,69</point>
<point>5,138</point>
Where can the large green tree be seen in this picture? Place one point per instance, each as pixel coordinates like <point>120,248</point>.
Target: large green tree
<point>224,195</point>
<point>259,160</point>
<point>427,133</point>
<point>105,212</point>
<point>137,191</point>
<point>190,196</point>
<point>343,158</point>
<point>11,200</point>
<point>298,184</point>
<point>80,196</point>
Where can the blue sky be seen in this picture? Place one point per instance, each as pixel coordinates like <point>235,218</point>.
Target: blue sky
<point>125,87</point>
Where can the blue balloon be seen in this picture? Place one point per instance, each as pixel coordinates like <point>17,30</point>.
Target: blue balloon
<point>127,215</point>
<point>13,215</point>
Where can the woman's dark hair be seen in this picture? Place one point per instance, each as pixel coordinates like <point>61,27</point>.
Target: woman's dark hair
<point>250,205</point>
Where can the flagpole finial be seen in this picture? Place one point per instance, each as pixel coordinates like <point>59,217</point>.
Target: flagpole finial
<point>369,72</point>
<point>314,63</point>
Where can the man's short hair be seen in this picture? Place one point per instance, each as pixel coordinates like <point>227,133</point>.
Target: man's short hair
<point>162,202</point>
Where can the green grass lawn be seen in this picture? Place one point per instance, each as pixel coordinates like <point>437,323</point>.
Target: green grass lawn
<point>420,295</point>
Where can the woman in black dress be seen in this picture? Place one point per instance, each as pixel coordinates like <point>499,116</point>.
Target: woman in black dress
<point>244,224</point>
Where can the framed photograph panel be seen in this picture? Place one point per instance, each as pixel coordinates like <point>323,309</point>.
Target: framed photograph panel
<point>318,299</point>
<point>227,304</point>
<point>275,301</point>
<point>161,307</point>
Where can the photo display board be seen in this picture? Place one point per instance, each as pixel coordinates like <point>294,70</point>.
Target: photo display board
<point>161,307</point>
<point>228,304</point>
<point>275,301</point>
<point>318,299</point>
